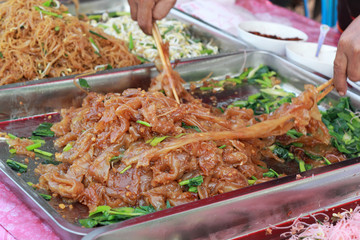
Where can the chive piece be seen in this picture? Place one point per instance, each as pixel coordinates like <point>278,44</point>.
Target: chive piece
<point>168,30</point>
<point>156,140</point>
<point>47,12</point>
<point>48,154</point>
<point>180,135</point>
<point>302,166</point>
<point>45,196</point>
<point>12,136</point>
<point>193,189</point>
<point>131,42</point>
<point>109,67</point>
<point>57,28</point>
<point>47,3</point>
<point>33,146</point>
<point>251,182</point>
<point>51,162</point>
<point>254,178</point>
<point>44,130</point>
<point>183,125</point>
<point>95,17</point>
<point>116,157</point>
<point>223,146</point>
<point>1,55</point>
<point>97,34</point>
<point>19,167</point>
<point>12,151</point>
<point>67,147</point>
<point>296,144</point>
<point>118,14</point>
<point>327,162</point>
<point>125,169</point>
<point>195,181</point>
<point>144,123</point>
<point>93,44</point>
<point>142,59</point>
<point>83,83</point>
<point>115,27</point>
<point>30,184</point>
<point>206,88</point>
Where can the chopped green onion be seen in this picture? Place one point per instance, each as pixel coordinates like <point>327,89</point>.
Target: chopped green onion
<point>45,196</point>
<point>271,173</point>
<point>93,44</point>
<point>251,182</point>
<point>47,3</point>
<point>301,165</point>
<point>115,27</point>
<point>183,125</point>
<point>193,189</point>
<point>254,178</point>
<point>116,157</point>
<point>1,55</point>
<point>125,169</point>
<point>142,59</point>
<point>12,136</point>
<point>327,162</point>
<point>47,12</point>
<point>131,42</point>
<point>195,181</point>
<point>67,147</point>
<point>47,161</point>
<point>19,167</point>
<point>180,135</point>
<point>44,130</point>
<point>96,17</point>
<point>12,151</point>
<point>118,14</point>
<point>206,88</point>
<point>156,140</point>
<point>33,146</point>
<point>168,30</point>
<point>57,28</point>
<point>293,133</point>
<point>97,34</point>
<point>296,144</point>
<point>223,146</point>
<point>144,123</point>
<point>48,154</point>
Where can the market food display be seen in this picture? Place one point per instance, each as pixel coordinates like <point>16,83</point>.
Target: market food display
<point>177,34</point>
<point>40,39</point>
<point>132,153</point>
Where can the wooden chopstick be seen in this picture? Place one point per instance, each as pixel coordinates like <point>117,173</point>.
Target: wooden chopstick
<point>325,88</point>
<point>164,60</point>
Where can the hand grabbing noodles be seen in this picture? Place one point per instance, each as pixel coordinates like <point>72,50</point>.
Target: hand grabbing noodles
<point>147,11</point>
<point>347,60</point>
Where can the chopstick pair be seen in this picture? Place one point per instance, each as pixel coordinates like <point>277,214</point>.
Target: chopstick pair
<point>164,60</point>
<point>324,89</point>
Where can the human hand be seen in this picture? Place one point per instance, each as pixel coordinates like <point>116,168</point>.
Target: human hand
<point>347,60</point>
<point>146,11</point>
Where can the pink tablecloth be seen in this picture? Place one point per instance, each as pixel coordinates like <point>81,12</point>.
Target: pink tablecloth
<point>18,222</point>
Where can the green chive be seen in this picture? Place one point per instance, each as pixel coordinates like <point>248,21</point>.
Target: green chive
<point>115,27</point>
<point>45,196</point>
<point>193,189</point>
<point>302,166</point>
<point>12,136</point>
<point>95,17</point>
<point>118,14</point>
<point>12,151</point>
<point>67,147</point>
<point>47,12</point>
<point>327,162</point>
<point>83,83</point>
<point>1,55</point>
<point>254,178</point>
<point>142,59</point>
<point>116,157</point>
<point>156,140</point>
<point>144,123</point>
<point>251,182</point>
<point>206,88</point>
<point>223,146</point>
<point>180,135</point>
<point>57,28</point>
<point>33,146</point>
<point>131,42</point>
<point>97,34</point>
<point>19,167</point>
<point>48,154</point>
<point>125,169</point>
<point>168,30</point>
<point>93,44</point>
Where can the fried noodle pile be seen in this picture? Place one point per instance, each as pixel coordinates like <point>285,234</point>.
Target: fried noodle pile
<point>37,41</point>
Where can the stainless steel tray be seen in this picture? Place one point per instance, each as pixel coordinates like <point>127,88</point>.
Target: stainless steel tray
<point>227,43</point>
<point>231,214</point>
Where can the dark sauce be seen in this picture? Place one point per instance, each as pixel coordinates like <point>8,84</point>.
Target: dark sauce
<point>275,37</point>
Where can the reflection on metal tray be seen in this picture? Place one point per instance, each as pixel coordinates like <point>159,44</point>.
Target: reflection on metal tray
<point>232,214</point>
<point>227,43</point>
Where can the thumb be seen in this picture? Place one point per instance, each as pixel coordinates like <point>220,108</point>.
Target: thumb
<point>340,66</point>
<point>162,8</point>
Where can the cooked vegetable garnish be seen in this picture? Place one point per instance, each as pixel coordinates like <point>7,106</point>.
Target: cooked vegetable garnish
<point>95,47</point>
<point>104,215</point>
<point>343,123</point>
<point>12,150</point>
<point>45,196</point>
<point>193,182</point>
<point>44,130</point>
<point>97,34</point>
<point>12,136</point>
<point>156,140</point>
<point>33,146</point>
<point>40,9</point>
<point>271,173</point>
<point>48,154</point>
<point>116,158</point>
<point>294,134</point>
<point>67,147</point>
<point>47,161</point>
<point>83,83</point>
<point>131,41</point>
<point>222,146</point>
<point>57,28</point>
<point>125,169</point>
<point>282,152</point>
<point>1,55</point>
<point>115,27</point>
<point>144,123</point>
<point>183,125</point>
<point>19,167</point>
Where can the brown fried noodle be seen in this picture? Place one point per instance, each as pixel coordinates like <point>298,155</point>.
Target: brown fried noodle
<point>35,45</point>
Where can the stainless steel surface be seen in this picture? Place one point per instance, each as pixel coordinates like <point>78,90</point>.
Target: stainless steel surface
<point>227,43</point>
<point>230,214</point>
